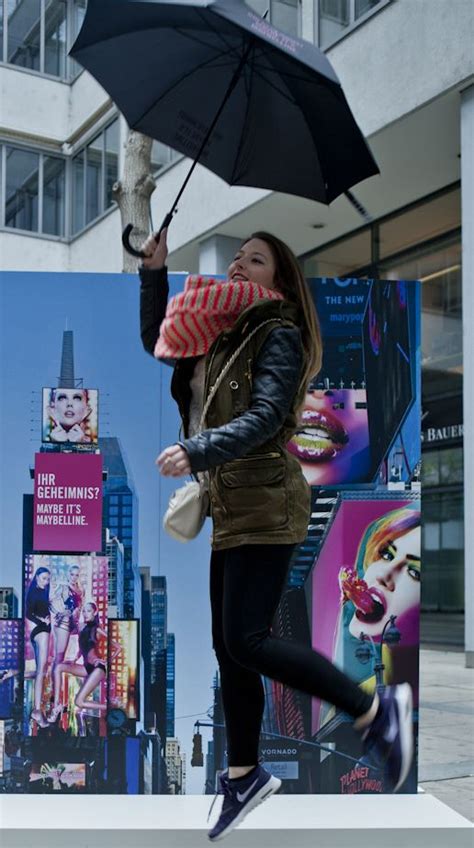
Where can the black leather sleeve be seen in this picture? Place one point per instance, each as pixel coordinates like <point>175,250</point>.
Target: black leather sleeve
<point>154,292</point>
<point>275,381</point>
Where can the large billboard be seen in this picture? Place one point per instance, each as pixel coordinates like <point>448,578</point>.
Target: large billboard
<point>365,589</point>
<point>70,416</point>
<point>65,650</point>
<point>67,502</point>
<point>83,563</point>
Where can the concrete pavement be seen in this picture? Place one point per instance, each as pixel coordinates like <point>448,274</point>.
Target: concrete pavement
<point>446,741</point>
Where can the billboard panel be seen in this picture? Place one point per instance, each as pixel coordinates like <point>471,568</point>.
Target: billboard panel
<point>10,664</point>
<point>365,611</point>
<point>123,666</point>
<point>67,510</point>
<point>57,777</point>
<point>65,648</point>
<point>332,444</point>
<point>70,416</point>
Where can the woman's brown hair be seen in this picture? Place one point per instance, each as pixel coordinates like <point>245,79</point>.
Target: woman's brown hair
<point>292,284</point>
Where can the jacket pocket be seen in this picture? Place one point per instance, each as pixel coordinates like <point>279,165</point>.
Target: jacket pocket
<point>254,493</point>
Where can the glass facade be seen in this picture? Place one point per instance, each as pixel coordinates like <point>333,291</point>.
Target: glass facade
<point>335,17</point>
<point>162,155</point>
<point>21,189</point>
<point>424,242</point>
<point>39,33</point>
<point>35,191</point>
<point>284,14</point>
<point>94,171</point>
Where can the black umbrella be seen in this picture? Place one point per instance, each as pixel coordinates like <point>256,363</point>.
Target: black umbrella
<point>217,82</point>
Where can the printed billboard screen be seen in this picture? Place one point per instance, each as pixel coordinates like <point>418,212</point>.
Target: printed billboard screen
<point>332,443</point>
<point>389,366</point>
<point>65,650</point>
<point>57,777</point>
<point>10,664</point>
<point>70,416</point>
<point>123,666</point>
<point>366,605</point>
<point>67,509</point>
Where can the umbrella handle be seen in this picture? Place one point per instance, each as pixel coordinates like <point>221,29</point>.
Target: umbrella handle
<point>139,254</point>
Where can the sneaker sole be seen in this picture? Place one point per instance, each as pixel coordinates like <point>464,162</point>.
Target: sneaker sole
<point>270,787</point>
<point>404,699</point>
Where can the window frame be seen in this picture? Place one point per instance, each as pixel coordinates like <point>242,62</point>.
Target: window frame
<point>41,152</point>
<point>72,69</point>
<point>353,24</point>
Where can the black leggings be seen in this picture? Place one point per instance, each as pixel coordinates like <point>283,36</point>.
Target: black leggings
<point>246,585</point>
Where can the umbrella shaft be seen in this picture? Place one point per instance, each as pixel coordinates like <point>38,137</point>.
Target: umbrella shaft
<point>229,91</point>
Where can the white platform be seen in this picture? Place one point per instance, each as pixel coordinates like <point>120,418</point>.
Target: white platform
<point>285,821</point>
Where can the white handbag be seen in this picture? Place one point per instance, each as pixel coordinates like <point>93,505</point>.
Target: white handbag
<point>188,505</point>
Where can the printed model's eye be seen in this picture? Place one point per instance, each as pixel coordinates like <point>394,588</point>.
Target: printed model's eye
<point>78,397</point>
<point>414,572</point>
<point>387,553</point>
<point>61,397</point>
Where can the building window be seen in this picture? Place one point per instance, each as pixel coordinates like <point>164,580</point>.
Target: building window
<point>336,17</point>
<point>22,178</point>
<point>53,195</point>
<point>341,258</point>
<point>38,34</point>
<point>94,171</point>
<point>162,155</point>
<point>34,191</point>
<point>23,26</point>
<point>283,14</point>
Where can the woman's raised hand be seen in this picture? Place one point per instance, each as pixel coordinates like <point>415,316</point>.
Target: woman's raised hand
<point>156,254</point>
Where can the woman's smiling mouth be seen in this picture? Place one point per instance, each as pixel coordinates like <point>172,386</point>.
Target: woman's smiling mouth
<point>321,436</point>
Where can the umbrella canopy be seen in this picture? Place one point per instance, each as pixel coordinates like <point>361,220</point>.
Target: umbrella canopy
<point>176,70</point>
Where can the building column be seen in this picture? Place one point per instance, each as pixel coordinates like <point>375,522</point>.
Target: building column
<point>216,253</point>
<point>467,211</point>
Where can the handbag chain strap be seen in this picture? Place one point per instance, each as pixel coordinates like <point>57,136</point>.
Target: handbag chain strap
<point>229,365</point>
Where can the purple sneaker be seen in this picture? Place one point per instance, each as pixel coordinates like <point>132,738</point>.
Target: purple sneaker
<point>240,797</point>
<point>388,741</point>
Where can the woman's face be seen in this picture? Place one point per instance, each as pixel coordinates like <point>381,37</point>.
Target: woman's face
<point>89,612</point>
<point>69,407</point>
<point>74,576</point>
<point>42,579</point>
<point>394,584</point>
<point>254,261</point>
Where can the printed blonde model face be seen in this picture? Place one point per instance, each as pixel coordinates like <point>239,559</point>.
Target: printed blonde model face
<point>254,262</point>
<point>393,581</point>
<point>69,407</point>
<point>73,577</point>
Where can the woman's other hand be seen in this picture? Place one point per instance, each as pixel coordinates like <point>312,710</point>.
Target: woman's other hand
<point>174,462</point>
<point>156,254</point>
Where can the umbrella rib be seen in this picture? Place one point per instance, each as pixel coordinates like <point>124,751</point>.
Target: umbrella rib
<point>205,44</point>
<point>215,31</point>
<point>180,80</point>
<point>248,87</point>
<point>275,87</point>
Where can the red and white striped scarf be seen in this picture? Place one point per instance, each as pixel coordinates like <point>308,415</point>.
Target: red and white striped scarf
<point>195,317</point>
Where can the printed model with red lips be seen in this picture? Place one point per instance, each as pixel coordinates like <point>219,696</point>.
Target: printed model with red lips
<point>369,603</point>
<point>320,438</point>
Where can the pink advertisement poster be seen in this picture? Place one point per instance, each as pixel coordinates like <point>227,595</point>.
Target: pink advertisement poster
<point>367,578</point>
<point>67,512</point>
